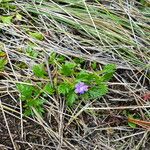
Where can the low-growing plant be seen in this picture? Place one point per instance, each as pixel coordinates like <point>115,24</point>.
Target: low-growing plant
<point>39,70</point>
<point>30,50</point>
<point>6,19</point>
<point>29,97</point>
<point>36,35</point>
<point>76,83</point>
<point>72,82</point>
<point>81,84</point>
<point>3,60</point>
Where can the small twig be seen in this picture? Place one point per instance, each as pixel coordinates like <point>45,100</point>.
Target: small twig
<point>116,108</point>
<point>48,69</point>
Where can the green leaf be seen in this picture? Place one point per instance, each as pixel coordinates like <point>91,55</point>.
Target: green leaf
<point>132,125</point>
<point>3,62</point>
<point>35,102</point>
<point>28,95</point>
<point>40,110</point>
<point>6,19</point>
<point>71,98</point>
<point>2,54</point>
<point>98,91</point>
<point>31,52</point>
<point>85,96</point>
<point>78,60</point>
<point>28,112</point>
<point>39,70</point>
<point>56,58</point>
<point>68,68</point>
<point>64,88</point>
<point>18,16</point>
<point>21,65</point>
<point>106,77</point>
<point>37,35</point>
<point>36,91</point>
<point>84,76</point>
<point>25,91</point>
<point>49,89</point>
<point>94,65</point>
<point>108,71</point>
<point>110,68</point>
<point>52,58</point>
<point>61,58</point>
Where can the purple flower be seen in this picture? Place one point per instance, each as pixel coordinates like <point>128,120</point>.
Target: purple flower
<point>81,88</point>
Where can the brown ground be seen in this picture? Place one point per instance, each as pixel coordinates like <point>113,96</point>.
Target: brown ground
<point>91,130</point>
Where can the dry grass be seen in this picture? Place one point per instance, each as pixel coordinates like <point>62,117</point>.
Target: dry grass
<point>107,32</point>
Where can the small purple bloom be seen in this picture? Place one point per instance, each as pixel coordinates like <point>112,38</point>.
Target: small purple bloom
<point>81,88</point>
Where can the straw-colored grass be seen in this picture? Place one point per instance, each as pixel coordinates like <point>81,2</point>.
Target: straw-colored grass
<point>96,31</point>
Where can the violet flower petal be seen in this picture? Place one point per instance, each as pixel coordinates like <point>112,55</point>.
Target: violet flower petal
<point>81,88</point>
